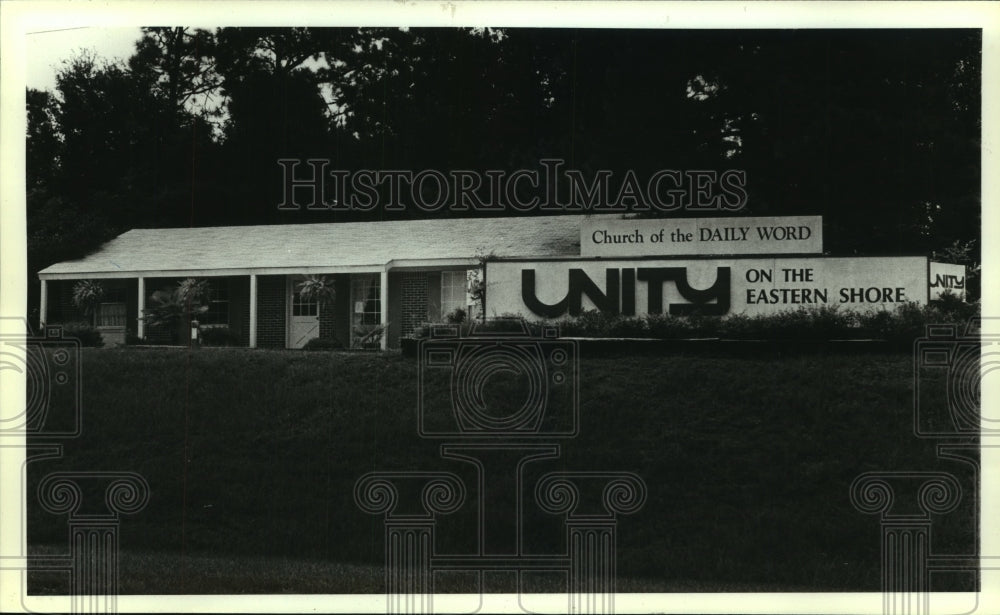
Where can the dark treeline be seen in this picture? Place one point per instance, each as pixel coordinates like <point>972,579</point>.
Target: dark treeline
<point>878,131</point>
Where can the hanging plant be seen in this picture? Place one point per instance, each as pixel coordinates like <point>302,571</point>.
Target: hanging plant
<point>320,289</point>
<point>192,290</point>
<point>87,295</point>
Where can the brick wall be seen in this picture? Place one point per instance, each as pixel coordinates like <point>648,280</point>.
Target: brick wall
<point>413,288</point>
<point>342,306</point>
<point>328,322</point>
<point>239,308</point>
<point>271,311</point>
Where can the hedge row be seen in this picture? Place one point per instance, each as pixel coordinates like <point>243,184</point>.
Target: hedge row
<point>906,322</point>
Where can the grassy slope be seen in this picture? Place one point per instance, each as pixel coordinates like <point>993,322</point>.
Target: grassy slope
<point>254,455</point>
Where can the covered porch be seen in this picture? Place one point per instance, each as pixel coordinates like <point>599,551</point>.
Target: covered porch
<point>389,277</point>
<point>371,307</point>
<point>255,309</point>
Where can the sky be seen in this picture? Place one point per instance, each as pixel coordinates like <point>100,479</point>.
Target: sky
<point>48,49</point>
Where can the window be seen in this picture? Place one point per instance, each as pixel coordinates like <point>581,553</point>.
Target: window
<point>366,312</point>
<point>454,291</point>
<point>303,307</point>
<point>366,293</point>
<point>111,311</point>
<point>217,300</point>
<point>111,315</point>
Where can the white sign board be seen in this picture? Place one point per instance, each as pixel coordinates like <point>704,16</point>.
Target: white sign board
<point>702,236</point>
<point>556,288</point>
<point>945,277</point>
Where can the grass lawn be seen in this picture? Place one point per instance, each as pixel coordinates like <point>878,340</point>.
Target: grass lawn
<point>252,457</point>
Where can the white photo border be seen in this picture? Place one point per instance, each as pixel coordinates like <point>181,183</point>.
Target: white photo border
<point>20,17</point>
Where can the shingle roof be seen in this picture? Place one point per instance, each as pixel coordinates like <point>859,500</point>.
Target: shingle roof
<point>328,245</point>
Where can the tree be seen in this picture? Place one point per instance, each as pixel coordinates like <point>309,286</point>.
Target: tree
<point>274,110</point>
<point>103,122</point>
<point>873,130</point>
<point>42,146</point>
<point>438,98</point>
<point>180,63</point>
<point>173,309</point>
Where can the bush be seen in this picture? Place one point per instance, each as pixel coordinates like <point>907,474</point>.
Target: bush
<point>506,323</point>
<point>951,309</point>
<point>630,326</point>
<point>903,324</point>
<point>455,316</point>
<point>667,327</point>
<point>906,322</point>
<point>323,343</point>
<point>590,323</point>
<point>738,327</point>
<point>220,336</point>
<point>87,334</point>
<point>819,323</point>
<point>173,309</point>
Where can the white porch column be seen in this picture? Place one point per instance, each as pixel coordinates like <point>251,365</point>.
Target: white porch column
<point>253,310</point>
<point>43,304</point>
<point>140,327</point>
<point>384,303</point>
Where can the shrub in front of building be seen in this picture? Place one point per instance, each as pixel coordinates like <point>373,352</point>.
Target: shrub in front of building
<point>88,334</point>
<point>219,336</point>
<point>323,343</point>
<point>903,324</point>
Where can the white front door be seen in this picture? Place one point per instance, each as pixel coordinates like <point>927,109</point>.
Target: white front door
<point>303,320</point>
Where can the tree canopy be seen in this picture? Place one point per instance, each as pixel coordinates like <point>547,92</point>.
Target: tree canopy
<point>878,131</point>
